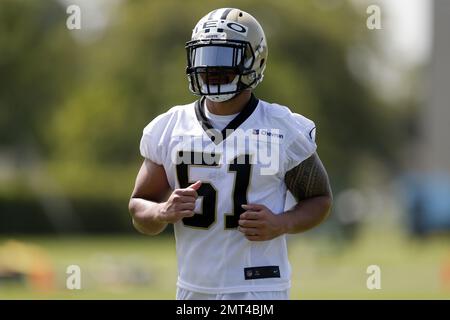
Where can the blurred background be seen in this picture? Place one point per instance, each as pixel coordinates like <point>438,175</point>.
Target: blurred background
<point>73,104</point>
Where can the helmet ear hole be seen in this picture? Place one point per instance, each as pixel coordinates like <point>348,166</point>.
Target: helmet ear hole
<point>262,62</point>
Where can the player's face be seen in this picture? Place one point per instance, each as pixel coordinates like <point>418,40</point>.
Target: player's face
<point>217,76</point>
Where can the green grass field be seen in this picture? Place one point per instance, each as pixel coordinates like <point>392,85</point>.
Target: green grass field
<point>139,267</point>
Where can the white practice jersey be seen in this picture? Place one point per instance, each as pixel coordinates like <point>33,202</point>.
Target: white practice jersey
<point>245,163</point>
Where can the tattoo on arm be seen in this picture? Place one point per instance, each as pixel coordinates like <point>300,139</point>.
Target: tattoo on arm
<point>308,179</point>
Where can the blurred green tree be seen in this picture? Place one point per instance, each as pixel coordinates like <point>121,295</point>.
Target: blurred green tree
<point>38,64</point>
<point>87,102</point>
<point>137,71</point>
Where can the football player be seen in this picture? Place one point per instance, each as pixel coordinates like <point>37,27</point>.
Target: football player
<point>219,169</point>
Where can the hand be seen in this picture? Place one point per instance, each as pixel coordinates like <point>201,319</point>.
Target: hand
<point>180,204</point>
<point>258,223</point>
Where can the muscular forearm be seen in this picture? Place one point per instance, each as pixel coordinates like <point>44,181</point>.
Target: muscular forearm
<point>306,214</point>
<point>145,215</point>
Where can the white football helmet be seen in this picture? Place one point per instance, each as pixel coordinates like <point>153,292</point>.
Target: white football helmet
<point>226,55</point>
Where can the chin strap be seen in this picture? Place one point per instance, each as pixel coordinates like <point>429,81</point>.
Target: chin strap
<point>220,98</point>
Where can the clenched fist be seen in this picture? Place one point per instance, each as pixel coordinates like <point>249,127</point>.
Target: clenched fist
<point>180,204</point>
<point>258,223</point>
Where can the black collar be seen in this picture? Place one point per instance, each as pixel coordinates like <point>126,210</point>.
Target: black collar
<point>233,125</point>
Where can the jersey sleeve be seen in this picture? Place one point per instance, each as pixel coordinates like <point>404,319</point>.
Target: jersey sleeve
<point>152,144</point>
<point>302,144</point>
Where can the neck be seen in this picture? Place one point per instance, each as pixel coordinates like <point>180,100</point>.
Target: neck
<point>232,106</point>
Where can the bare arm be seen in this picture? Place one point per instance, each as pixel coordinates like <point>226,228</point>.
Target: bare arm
<point>153,206</point>
<point>151,188</point>
<point>309,184</point>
